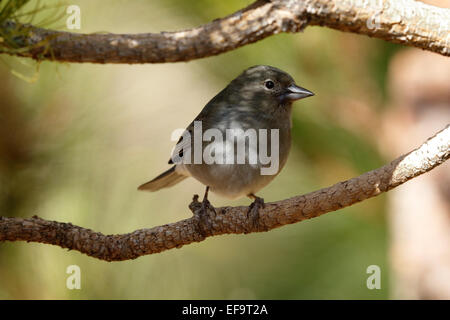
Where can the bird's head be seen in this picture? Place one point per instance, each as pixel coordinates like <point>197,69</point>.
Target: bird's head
<point>268,85</point>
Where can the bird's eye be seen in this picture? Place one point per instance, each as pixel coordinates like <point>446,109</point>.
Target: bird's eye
<point>269,84</point>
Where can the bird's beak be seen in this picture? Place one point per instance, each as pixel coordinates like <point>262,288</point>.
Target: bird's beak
<point>294,92</point>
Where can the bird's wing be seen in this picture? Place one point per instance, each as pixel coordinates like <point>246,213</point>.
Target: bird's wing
<point>205,116</point>
<point>182,145</point>
<point>185,144</point>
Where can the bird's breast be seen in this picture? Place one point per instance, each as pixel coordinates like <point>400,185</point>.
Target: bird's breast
<point>241,155</point>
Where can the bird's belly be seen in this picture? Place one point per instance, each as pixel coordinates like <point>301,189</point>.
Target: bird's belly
<point>230,180</point>
<point>238,168</point>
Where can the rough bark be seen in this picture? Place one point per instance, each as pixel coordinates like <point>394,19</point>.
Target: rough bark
<point>406,22</point>
<point>229,220</point>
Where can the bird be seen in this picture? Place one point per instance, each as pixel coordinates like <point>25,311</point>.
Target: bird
<point>260,98</point>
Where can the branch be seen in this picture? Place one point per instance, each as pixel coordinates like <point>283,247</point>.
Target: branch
<point>228,220</point>
<point>406,22</point>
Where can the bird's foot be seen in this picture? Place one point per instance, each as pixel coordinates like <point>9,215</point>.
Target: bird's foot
<point>206,205</point>
<point>253,210</point>
<point>203,212</point>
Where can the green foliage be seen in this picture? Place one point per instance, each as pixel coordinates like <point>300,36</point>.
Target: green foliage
<point>16,17</point>
<point>9,9</point>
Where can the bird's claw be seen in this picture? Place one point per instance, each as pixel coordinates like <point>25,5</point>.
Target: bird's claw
<point>253,211</point>
<point>206,205</point>
<point>202,213</point>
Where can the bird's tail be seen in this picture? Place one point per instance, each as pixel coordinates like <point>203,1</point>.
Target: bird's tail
<point>164,180</point>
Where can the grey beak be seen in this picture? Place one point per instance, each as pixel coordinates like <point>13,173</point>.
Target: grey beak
<point>294,92</point>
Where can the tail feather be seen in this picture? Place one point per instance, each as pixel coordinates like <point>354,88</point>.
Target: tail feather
<point>164,180</point>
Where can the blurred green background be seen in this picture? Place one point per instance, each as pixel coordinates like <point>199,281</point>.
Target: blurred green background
<point>77,139</point>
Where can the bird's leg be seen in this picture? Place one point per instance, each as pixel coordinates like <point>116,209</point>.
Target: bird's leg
<point>253,210</point>
<point>206,204</point>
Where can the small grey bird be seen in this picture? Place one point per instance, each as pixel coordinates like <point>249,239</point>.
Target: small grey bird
<point>259,98</point>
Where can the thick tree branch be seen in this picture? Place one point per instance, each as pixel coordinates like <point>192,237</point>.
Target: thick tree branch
<point>228,220</point>
<point>406,22</point>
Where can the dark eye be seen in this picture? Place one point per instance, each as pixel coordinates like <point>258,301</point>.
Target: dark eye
<point>269,84</point>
